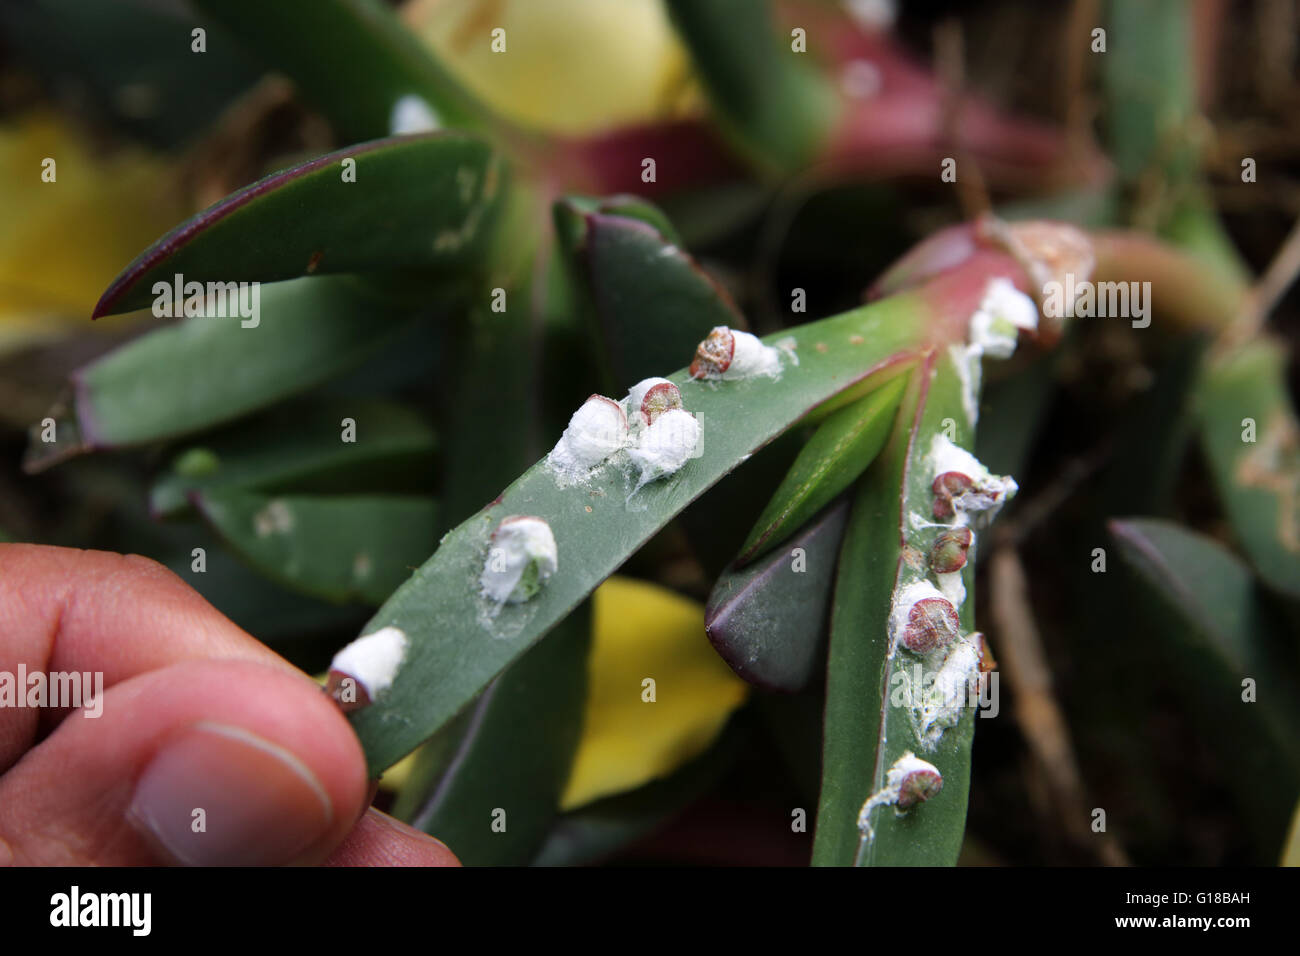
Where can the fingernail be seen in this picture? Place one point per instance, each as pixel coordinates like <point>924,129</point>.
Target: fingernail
<point>221,796</point>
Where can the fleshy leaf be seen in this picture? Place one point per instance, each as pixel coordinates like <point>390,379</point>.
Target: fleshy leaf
<point>723,515</point>
<point>510,752</point>
<point>492,395</point>
<point>1252,440</point>
<point>409,202</point>
<point>457,646</point>
<point>1218,614</point>
<point>571,216</point>
<point>1150,86</point>
<point>597,830</point>
<point>131,61</point>
<point>353,59</point>
<point>768,621</point>
<point>202,372</point>
<point>838,452</point>
<point>1218,638</point>
<point>341,548</point>
<point>651,301</point>
<point>303,629</point>
<point>868,723</point>
<point>769,98</point>
<point>300,447</point>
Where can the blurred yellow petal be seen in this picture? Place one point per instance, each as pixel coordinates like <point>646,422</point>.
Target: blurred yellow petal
<point>396,776</point>
<point>644,631</point>
<point>569,66</point>
<point>1291,849</point>
<point>62,242</point>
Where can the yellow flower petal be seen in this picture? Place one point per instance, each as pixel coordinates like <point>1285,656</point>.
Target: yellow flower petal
<point>642,631</point>
<point>395,777</point>
<point>62,242</point>
<point>570,66</point>
<point>1291,848</point>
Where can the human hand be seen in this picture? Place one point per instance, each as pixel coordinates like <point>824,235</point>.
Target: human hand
<point>209,748</point>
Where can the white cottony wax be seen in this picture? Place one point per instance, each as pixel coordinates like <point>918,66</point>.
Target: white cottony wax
<point>373,660</point>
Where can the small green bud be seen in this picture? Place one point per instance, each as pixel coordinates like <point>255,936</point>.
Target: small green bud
<point>196,463</point>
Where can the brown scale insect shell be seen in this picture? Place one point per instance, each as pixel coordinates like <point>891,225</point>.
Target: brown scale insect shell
<point>338,689</point>
<point>949,551</point>
<point>946,487</point>
<point>931,623</point>
<point>918,787</point>
<point>659,399</point>
<point>714,354</point>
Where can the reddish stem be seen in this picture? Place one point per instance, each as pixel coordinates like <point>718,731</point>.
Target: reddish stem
<point>953,267</point>
<point>902,129</point>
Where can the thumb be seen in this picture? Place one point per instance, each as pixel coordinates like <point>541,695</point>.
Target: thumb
<point>216,763</point>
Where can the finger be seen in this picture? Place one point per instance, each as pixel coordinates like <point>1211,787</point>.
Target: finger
<point>379,840</point>
<point>201,762</point>
<point>93,613</point>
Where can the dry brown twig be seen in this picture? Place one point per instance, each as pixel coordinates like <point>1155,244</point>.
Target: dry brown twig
<point>950,64</point>
<point>1080,107</point>
<point>1279,275</point>
<point>1023,661</point>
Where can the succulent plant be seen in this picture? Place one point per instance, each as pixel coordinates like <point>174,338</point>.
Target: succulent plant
<point>508,274</point>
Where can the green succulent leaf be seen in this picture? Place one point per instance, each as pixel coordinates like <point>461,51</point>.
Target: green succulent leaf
<point>201,372</point>
<point>571,216</point>
<point>413,202</point>
<point>1150,86</point>
<point>768,621</point>
<point>511,751</point>
<point>838,452</point>
<point>295,624</point>
<point>723,515</point>
<point>794,723</point>
<point>651,301</point>
<point>866,728</point>
<point>492,387</point>
<point>774,105</point>
<point>599,829</point>
<point>342,548</point>
<point>1150,75</point>
<point>459,643</point>
<point>132,59</point>
<point>705,215</point>
<point>1202,604</point>
<point>1251,437</point>
<point>300,447</point>
<point>304,629</point>
<point>1217,613</point>
<point>1012,411</point>
<point>1150,444</point>
<point>353,59</point>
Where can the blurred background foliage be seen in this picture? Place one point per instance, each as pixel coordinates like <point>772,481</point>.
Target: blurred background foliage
<point>1151,135</point>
